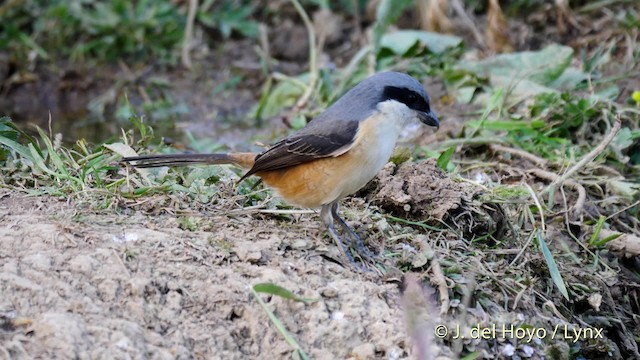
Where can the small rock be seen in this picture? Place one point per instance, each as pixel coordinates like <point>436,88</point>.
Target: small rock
<point>38,261</point>
<point>364,351</point>
<point>595,300</point>
<point>174,301</point>
<point>173,285</point>
<point>108,290</point>
<point>329,292</point>
<point>527,351</point>
<point>301,244</point>
<point>62,334</point>
<point>250,256</point>
<point>508,350</point>
<point>83,264</point>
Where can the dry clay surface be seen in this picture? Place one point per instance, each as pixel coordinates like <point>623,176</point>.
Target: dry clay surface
<point>74,284</point>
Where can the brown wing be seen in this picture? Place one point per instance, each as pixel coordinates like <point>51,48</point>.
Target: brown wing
<point>304,146</point>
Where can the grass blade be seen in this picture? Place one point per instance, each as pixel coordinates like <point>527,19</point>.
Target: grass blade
<point>278,324</point>
<point>596,231</point>
<point>553,267</point>
<point>17,147</point>
<point>273,289</point>
<point>55,158</point>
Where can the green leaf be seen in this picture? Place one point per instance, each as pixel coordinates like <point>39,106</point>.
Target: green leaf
<point>542,67</point>
<point>401,41</point>
<point>283,95</point>
<point>465,94</point>
<point>625,138</point>
<point>624,188</point>
<point>15,146</point>
<point>472,356</point>
<point>121,149</point>
<point>273,289</point>
<point>609,93</point>
<point>569,79</point>
<point>10,131</point>
<point>596,231</point>
<point>387,13</point>
<point>604,241</point>
<point>298,121</point>
<point>528,73</point>
<point>39,161</point>
<point>445,157</point>
<point>507,125</point>
<point>551,264</point>
<point>54,157</point>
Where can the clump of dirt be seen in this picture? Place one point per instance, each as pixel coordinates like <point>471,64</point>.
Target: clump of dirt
<point>421,190</point>
<point>424,192</point>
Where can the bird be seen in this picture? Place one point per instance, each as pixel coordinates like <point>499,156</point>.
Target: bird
<point>334,155</point>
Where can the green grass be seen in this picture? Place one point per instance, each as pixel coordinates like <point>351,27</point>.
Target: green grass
<point>106,31</point>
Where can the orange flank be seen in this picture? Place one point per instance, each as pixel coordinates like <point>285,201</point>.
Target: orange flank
<point>323,181</point>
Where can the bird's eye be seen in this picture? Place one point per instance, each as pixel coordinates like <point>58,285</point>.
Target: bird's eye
<point>412,97</point>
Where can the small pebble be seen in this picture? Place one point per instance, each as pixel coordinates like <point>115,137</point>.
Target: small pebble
<point>329,292</point>
<point>364,351</point>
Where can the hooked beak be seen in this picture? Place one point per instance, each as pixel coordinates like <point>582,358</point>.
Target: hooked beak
<point>429,118</point>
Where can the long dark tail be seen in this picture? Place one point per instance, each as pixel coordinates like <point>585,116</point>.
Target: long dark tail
<point>244,160</point>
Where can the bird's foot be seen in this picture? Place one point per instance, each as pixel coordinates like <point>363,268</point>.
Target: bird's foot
<point>357,243</point>
<point>366,257</point>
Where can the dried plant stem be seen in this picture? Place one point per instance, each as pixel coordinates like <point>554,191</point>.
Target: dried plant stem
<point>520,153</point>
<point>553,177</point>
<point>188,34</point>
<point>434,15</point>
<point>458,7</point>
<point>587,158</point>
<point>543,224</point>
<point>469,141</point>
<point>438,279</point>
<point>313,63</point>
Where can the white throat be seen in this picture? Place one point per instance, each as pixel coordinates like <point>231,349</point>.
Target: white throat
<point>392,118</point>
<point>397,113</point>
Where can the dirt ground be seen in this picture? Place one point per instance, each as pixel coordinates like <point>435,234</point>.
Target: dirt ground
<point>79,285</point>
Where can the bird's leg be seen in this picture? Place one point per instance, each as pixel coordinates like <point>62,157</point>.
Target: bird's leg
<point>361,249</point>
<point>326,214</point>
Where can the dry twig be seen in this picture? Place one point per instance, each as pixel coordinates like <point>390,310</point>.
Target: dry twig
<point>496,32</point>
<point>458,7</point>
<point>434,15</point>
<point>587,158</point>
<point>520,153</point>
<point>578,207</point>
<point>313,61</point>
<point>188,34</point>
<point>438,278</point>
